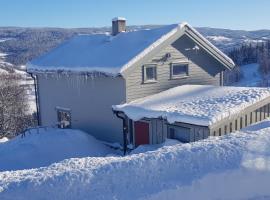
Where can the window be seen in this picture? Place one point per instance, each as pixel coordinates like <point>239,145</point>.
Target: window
<point>64,118</point>
<point>219,131</point>
<point>214,133</point>
<point>179,70</point>
<point>246,120</point>
<point>250,118</point>
<point>150,73</point>
<point>225,129</point>
<point>179,133</point>
<point>236,127</point>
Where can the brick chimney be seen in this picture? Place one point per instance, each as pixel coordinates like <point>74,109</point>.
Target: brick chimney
<point>118,25</point>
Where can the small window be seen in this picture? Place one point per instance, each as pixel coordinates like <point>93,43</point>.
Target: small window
<point>225,129</point>
<point>150,73</point>
<point>236,127</point>
<point>246,120</point>
<point>179,70</point>
<point>214,133</point>
<point>64,118</point>
<point>250,118</point>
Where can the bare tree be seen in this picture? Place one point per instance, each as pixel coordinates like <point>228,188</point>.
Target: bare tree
<point>14,115</point>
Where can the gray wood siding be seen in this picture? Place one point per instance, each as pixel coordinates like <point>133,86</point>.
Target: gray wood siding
<point>90,101</point>
<point>248,116</point>
<point>203,70</point>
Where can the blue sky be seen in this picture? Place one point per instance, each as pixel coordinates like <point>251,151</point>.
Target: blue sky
<point>233,14</point>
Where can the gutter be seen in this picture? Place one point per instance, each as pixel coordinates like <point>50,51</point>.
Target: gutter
<point>36,97</point>
<point>125,129</point>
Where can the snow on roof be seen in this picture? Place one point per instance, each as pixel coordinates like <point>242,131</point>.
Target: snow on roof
<point>109,54</point>
<point>195,104</point>
<point>101,52</point>
<point>119,18</point>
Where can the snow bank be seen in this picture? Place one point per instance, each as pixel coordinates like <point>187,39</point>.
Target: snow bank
<point>46,147</point>
<point>4,139</point>
<point>195,104</point>
<point>200,170</point>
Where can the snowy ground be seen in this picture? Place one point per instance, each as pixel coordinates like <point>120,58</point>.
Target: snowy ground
<point>47,147</point>
<point>250,75</point>
<point>235,166</point>
<point>4,139</point>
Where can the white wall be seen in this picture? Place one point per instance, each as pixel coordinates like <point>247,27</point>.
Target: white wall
<point>90,101</point>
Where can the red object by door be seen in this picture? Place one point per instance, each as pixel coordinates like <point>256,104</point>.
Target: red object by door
<point>141,133</point>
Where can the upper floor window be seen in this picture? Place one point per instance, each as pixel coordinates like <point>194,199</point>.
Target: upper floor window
<point>179,70</point>
<point>150,73</point>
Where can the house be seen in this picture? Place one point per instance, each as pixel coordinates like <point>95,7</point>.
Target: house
<point>79,81</point>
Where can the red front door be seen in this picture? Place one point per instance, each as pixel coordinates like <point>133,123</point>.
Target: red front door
<point>141,133</point>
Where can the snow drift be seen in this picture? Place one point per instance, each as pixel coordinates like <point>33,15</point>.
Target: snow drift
<point>47,147</point>
<point>205,168</point>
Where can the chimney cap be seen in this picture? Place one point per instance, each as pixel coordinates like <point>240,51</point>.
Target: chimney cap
<point>119,19</point>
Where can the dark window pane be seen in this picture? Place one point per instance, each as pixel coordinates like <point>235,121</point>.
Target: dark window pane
<point>150,73</point>
<point>178,70</point>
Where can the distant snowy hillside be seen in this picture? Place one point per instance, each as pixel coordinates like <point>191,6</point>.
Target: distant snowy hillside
<point>226,39</point>
<point>234,166</point>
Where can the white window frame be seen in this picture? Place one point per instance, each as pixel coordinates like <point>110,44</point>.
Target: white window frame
<point>144,73</point>
<point>180,75</point>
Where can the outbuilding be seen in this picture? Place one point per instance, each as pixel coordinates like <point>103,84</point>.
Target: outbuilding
<point>193,112</point>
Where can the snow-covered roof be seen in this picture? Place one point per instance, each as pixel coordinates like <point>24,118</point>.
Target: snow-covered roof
<point>106,53</point>
<point>195,104</point>
<point>99,52</point>
<point>119,18</point>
